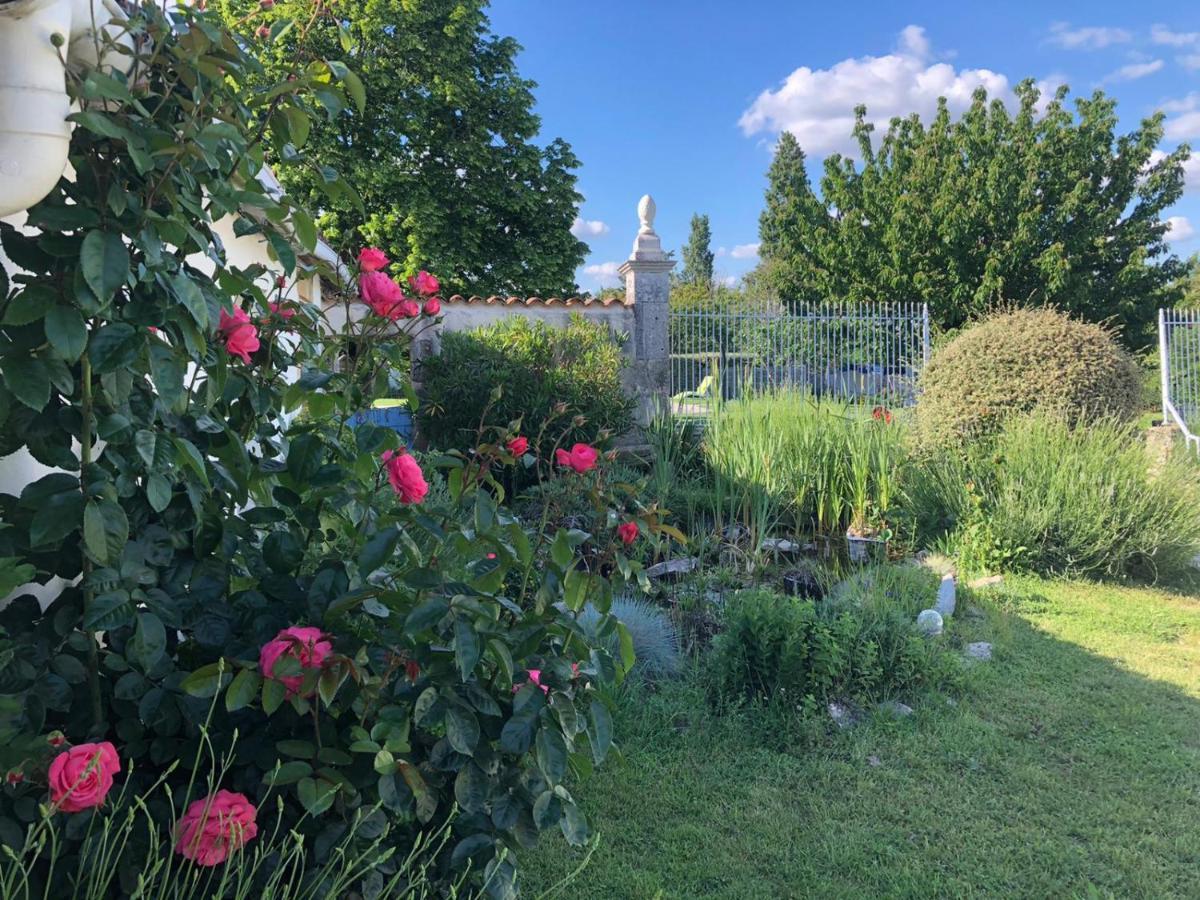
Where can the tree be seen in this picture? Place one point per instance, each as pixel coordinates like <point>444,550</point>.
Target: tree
<point>697,254</point>
<point>443,156</point>
<point>997,207</point>
<point>793,228</point>
<point>1189,283</point>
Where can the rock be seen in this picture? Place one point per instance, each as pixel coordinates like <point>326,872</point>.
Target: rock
<point>873,761</point>
<point>673,568</point>
<point>895,708</point>
<point>946,597</point>
<point>980,651</point>
<point>781,546</point>
<point>843,714</point>
<point>929,622</point>
<point>735,533</point>
<point>980,584</point>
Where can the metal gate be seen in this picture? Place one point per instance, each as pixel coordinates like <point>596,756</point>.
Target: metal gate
<point>868,352</point>
<point>1179,360</point>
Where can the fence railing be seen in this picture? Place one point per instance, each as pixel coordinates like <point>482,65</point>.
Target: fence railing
<point>861,352</point>
<point>1179,361</point>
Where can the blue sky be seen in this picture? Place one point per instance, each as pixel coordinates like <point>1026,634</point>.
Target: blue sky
<point>683,99</point>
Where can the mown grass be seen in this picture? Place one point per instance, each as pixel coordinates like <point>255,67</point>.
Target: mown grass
<point>1069,767</point>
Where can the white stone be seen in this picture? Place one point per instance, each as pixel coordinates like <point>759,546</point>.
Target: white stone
<point>945,597</point>
<point>980,650</point>
<point>990,581</point>
<point>895,708</point>
<point>673,568</point>
<point>930,623</point>
<point>780,545</point>
<point>843,714</point>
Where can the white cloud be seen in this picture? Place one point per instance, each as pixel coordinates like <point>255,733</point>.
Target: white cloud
<point>1087,37</point>
<point>722,251</point>
<point>1161,34</point>
<point>1184,121</point>
<point>1134,71</point>
<point>1179,229</point>
<point>1190,61</point>
<point>589,228</point>
<point>817,105</point>
<point>745,251</point>
<point>728,280</point>
<point>604,273</point>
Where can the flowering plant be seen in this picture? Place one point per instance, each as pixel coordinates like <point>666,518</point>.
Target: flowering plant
<point>224,533</point>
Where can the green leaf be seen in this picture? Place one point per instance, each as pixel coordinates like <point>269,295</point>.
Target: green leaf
<point>190,457</point>
<point>66,331</point>
<point>69,668</point>
<point>188,293</point>
<point>104,260</point>
<point>466,646</point>
<point>547,810</point>
<point>57,516</point>
<point>14,573</point>
<point>108,611</point>
<point>288,773</point>
<point>599,730</point>
<point>158,492</point>
<point>282,552</point>
<point>115,346</point>
<point>167,371</point>
<point>28,378</point>
<point>516,736</point>
<point>305,455</point>
<point>574,825</point>
<point>470,788</point>
<point>354,87</point>
<point>283,250</point>
<point>316,795</point>
<point>242,690</point>
<point>105,530</point>
<point>306,229</point>
<point>426,615</point>
<point>149,641</point>
<point>206,681</point>
<point>29,305</point>
<point>273,694</point>
<point>377,550</point>
<point>551,754</point>
<point>462,730</point>
<point>296,748</point>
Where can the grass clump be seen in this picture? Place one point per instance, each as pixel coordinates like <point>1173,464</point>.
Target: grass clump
<point>1020,361</point>
<point>1050,498</point>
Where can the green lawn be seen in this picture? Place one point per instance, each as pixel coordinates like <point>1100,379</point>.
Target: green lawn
<point>1068,767</point>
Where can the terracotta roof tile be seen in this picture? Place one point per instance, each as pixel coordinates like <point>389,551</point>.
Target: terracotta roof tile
<point>536,301</point>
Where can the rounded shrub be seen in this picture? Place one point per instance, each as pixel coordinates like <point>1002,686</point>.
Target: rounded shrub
<point>1021,361</point>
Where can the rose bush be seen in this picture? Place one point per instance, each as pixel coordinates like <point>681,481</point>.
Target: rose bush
<point>217,542</point>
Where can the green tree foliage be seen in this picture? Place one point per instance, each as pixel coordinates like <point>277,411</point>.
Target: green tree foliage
<point>697,254</point>
<point>1189,283</point>
<point>1028,207</point>
<point>444,156</point>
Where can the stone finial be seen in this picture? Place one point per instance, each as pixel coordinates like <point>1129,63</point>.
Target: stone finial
<point>647,247</point>
<point>646,212</point>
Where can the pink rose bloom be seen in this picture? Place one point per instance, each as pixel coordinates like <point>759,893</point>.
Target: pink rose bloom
<point>284,312</point>
<point>216,826</point>
<point>433,306</point>
<point>371,259</point>
<point>581,458</point>
<point>241,337</point>
<point>81,777</point>
<point>405,476</point>
<point>424,284</point>
<point>381,294</point>
<point>307,645</point>
<point>518,445</point>
<point>409,309</point>
<point>535,677</point>
<point>627,532</point>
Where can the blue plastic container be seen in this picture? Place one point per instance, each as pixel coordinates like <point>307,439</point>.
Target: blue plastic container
<point>397,418</point>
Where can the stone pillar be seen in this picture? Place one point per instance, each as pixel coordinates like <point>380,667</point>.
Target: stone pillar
<point>647,275</point>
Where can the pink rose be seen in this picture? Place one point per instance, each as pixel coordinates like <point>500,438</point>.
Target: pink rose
<point>535,677</point>
<point>518,445</point>
<point>212,828</point>
<point>433,306</point>
<point>424,284</point>
<point>628,532</point>
<point>241,337</point>
<point>381,294</point>
<point>581,458</point>
<point>307,645</point>
<point>371,259</point>
<point>405,475</point>
<point>284,312</point>
<point>81,777</point>
<point>409,309</point>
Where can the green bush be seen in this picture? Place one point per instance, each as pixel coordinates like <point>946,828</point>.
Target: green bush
<point>1051,498</point>
<point>1018,362</point>
<point>863,644</point>
<point>537,366</point>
